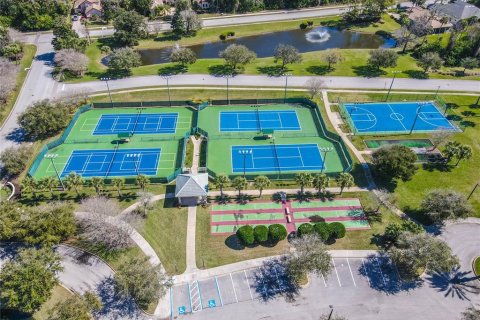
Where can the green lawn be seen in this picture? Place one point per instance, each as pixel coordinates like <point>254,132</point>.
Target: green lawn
<point>165,228</point>
<point>59,294</point>
<point>476,266</point>
<point>213,251</point>
<point>25,62</point>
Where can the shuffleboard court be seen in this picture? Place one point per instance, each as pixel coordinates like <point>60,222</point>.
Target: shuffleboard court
<point>140,123</point>
<point>281,120</point>
<point>394,117</point>
<point>273,158</point>
<point>113,163</point>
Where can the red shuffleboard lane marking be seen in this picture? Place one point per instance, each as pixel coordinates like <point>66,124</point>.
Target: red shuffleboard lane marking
<point>346,208</point>
<point>331,219</point>
<point>247,211</point>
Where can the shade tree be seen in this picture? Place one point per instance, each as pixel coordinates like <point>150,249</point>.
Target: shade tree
<point>286,54</point>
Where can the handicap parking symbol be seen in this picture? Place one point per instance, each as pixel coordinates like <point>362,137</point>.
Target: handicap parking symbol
<point>182,310</point>
<point>211,304</point>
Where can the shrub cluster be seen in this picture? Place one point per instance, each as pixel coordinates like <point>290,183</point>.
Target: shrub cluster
<point>306,24</point>
<point>226,35</point>
<point>249,235</point>
<point>325,231</point>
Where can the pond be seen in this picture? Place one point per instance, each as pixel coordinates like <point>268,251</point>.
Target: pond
<point>320,38</point>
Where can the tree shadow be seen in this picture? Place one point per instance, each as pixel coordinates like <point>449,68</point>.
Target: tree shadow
<point>221,70</point>
<point>234,243</point>
<point>272,71</point>
<point>222,200</point>
<point>303,197</point>
<point>456,284</point>
<point>383,275</point>
<point>115,305</point>
<point>319,70</point>
<point>172,70</point>
<point>467,124</point>
<point>271,280</point>
<point>368,71</point>
<point>243,198</point>
<point>416,74</point>
<point>18,135</point>
<point>468,113</point>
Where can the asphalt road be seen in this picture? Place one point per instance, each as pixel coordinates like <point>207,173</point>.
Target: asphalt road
<point>239,19</point>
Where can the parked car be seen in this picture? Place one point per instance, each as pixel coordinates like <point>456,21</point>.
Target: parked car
<point>74,17</point>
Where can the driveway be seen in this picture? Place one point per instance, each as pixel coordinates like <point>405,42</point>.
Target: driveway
<point>84,272</point>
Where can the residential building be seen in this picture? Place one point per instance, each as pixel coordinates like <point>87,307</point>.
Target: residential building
<point>456,11</point>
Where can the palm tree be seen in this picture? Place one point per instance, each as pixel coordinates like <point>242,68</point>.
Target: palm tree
<point>97,183</point>
<point>74,181</point>
<point>49,183</point>
<point>142,181</point>
<point>260,183</point>
<point>239,183</point>
<point>118,184</point>
<point>320,182</point>
<point>464,152</point>
<point>344,180</point>
<point>451,149</point>
<point>221,181</point>
<point>303,179</point>
<point>29,185</point>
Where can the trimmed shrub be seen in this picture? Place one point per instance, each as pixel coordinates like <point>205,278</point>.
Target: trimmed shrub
<point>276,232</point>
<point>309,23</point>
<point>223,36</point>
<point>322,229</point>
<point>245,234</point>
<point>304,229</point>
<point>231,33</point>
<point>260,233</point>
<point>303,25</point>
<point>337,229</point>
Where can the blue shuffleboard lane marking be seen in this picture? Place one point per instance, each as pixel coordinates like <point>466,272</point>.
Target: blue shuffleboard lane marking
<point>126,162</point>
<point>238,121</point>
<point>291,157</point>
<point>147,123</point>
<point>397,117</point>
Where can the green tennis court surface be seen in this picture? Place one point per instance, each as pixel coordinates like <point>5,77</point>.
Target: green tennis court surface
<point>226,219</point>
<point>245,133</point>
<point>83,138</point>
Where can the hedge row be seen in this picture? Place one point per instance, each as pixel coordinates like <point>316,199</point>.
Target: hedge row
<point>226,35</point>
<point>306,24</point>
<point>325,231</point>
<point>248,235</point>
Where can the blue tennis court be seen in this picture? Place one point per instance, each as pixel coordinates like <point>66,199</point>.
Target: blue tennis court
<point>141,123</point>
<point>113,163</point>
<point>280,157</point>
<point>234,121</point>
<point>397,117</point>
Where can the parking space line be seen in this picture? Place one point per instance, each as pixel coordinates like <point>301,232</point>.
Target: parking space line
<point>171,304</point>
<point>248,284</point>
<point>233,286</point>
<point>278,280</point>
<point>351,273</point>
<point>379,268</point>
<point>366,272</point>
<point>324,282</point>
<point>333,260</point>
<point>200,295</point>
<point>218,291</point>
<point>190,297</point>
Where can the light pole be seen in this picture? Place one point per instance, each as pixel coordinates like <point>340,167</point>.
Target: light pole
<point>228,76</point>
<point>167,77</point>
<point>286,85</point>
<point>325,151</point>
<point>106,79</point>
<point>331,312</point>
<point>436,93</point>
<point>478,101</point>
<point>52,156</point>
<point>244,153</point>
<point>416,116</point>
<point>391,84</point>
<point>473,190</point>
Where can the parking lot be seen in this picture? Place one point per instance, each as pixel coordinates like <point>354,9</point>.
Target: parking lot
<point>270,281</point>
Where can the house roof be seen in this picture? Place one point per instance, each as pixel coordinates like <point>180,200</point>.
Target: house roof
<point>77,3</point>
<point>458,10</point>
<point>191,185</point>
<point>94,7</point>
<point>417,12</point>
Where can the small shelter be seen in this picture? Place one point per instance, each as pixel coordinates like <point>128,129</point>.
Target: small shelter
<point>191,188</point>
